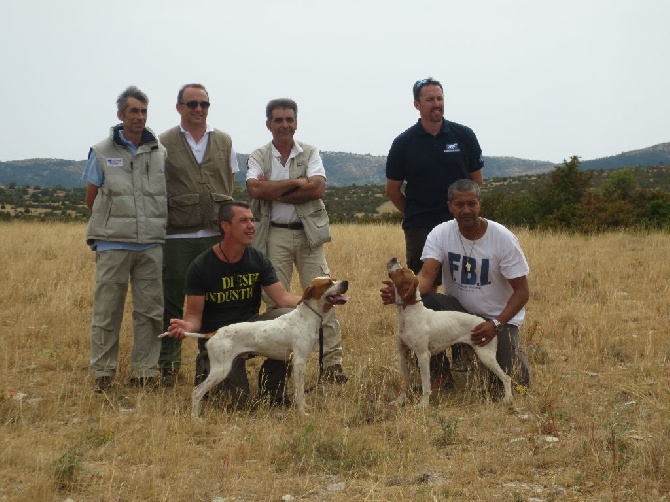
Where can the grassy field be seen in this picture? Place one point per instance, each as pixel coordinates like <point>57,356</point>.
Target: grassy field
<point>594,424</point>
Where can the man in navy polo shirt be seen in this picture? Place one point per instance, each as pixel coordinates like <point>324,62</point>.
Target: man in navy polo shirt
<point>428,157</point>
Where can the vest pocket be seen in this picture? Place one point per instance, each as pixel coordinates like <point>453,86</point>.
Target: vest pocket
<point>184,211</point>
<point>217,199</point>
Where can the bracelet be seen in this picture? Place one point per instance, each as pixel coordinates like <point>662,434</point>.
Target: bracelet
<point>498,325</point>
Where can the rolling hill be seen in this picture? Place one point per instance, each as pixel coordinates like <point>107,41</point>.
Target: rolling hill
<point>344,169</point>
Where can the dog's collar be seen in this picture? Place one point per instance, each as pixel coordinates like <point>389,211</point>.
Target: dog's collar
<point>310,308</point>
<point>401,304</point>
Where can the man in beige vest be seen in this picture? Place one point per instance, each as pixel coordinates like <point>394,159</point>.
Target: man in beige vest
<point>125,192</point>
<point>200,175</point>
<point>287,181</point>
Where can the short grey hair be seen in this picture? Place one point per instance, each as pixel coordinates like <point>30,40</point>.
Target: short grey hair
<point>464,185</point>
<point>280,103</point>
<point>130,92</point>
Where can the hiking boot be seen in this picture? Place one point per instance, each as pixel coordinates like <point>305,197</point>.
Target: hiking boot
<point>168,379</point>
<point>103,384</point>
<point>335,374</point>
<point>144,382</point>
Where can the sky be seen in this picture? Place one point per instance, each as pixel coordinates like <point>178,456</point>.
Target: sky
<point>535,80</point>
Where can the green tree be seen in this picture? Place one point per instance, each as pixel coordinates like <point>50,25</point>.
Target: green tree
<point>558,200</point>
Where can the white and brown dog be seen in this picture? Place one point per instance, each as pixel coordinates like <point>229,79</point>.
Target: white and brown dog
<point>292,335</point>
<point>427,332</point>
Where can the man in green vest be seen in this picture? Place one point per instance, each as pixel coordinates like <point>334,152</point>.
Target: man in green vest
<point>287,182</point>
<point>200,175</point>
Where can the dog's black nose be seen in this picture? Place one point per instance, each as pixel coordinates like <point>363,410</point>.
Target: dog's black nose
<point>345,285</point>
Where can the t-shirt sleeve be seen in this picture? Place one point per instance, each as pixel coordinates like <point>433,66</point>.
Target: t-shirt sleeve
<point>475,157</point>
<point>268,275</point>
<point>395,168</point>
<point>432,248</point>
<point>513,262</point>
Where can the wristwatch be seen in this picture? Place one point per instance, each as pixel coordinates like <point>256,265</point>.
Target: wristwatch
<point>496,323</point>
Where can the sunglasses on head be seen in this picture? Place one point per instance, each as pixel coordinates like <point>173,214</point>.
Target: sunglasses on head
<point>194,104</point>
<point>420,84</point>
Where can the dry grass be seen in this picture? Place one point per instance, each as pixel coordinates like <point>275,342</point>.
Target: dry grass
<point>594,424</point>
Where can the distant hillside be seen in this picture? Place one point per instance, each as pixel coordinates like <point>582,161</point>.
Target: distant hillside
<point>343,169</point>
<point>657,155</point>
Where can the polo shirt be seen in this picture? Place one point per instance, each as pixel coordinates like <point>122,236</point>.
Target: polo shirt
<point>429,164</point>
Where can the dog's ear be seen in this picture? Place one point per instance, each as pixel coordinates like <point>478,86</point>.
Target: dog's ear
<point>307,294</point>
<point>408,288</point>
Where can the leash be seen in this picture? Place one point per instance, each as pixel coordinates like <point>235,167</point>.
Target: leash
<point>318,382</point>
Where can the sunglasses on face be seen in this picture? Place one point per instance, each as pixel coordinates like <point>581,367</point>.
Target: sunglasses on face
<point>194,104</point>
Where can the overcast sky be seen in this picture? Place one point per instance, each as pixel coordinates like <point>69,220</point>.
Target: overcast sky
<point>537,80</point>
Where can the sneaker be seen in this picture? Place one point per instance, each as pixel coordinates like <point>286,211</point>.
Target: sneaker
<point>103,384</point>
<point>335,374</point>
<point>442,382</point>
<point>144,382</point>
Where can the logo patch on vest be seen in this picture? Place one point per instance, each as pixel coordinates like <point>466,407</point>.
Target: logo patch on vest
<point>452,148</point>
<point>115,162</point>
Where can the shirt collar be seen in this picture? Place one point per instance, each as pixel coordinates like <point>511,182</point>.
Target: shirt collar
<point>295,150</point>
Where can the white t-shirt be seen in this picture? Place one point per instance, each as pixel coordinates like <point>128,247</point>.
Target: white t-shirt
<point>476,272</point>
<point>282,212</point>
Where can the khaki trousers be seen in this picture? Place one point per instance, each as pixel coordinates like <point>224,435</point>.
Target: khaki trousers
<point>287,248</point>
<point>113,269</point>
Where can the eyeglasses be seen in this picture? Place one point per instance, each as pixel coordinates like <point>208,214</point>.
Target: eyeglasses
<point>194,104</point>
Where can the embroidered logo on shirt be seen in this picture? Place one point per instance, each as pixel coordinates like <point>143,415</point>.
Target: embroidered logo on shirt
<point>452,148</point>
<point>115,162</point>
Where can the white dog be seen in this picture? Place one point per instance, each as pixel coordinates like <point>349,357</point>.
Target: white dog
<point>294,333</point>
<point>428,332</point>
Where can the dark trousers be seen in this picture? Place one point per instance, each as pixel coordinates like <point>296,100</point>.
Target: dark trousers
<point>415,240</point>
<point>272,375</point>
<point>510,356</point>
<point>177,257</point>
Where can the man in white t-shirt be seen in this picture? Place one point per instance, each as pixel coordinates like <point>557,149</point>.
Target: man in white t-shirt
<point>484,272</point>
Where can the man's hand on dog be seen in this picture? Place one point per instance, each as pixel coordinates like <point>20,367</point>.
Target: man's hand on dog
<point>387,293</point>
<point>483,333</point>
<point>177,328</point>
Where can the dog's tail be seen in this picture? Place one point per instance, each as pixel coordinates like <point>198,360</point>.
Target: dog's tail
<point>189,335</point>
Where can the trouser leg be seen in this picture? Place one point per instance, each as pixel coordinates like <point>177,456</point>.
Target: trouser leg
<point>147,291</point>
<point>111,285</point>
<point>511,357</point>
<point>311,263</point>
<point>177,257</point>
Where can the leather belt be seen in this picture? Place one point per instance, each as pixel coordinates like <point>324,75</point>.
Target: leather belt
<point>290,226</point>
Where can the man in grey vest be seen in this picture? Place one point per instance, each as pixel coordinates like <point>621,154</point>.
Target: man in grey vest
<point>200,175</point>
<point>287,181</point>
<point>125,192</point>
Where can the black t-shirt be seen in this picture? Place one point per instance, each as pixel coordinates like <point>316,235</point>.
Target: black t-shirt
<point>232,290</point>
<point>430,164</point>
